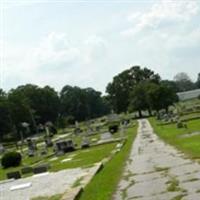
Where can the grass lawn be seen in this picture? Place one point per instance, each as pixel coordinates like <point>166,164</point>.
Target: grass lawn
<point>79,158</point>
<point>83,158</point>
<point>103,185</point>
<point>54,197</point>
<point>169,133</point>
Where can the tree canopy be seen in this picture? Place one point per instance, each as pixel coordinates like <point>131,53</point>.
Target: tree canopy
<point>134,89</point>
<point>119,89</point>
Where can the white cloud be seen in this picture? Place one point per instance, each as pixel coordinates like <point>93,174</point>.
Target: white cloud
<point>164,12</point>
<point>55,61</point>
<point>95,49</point>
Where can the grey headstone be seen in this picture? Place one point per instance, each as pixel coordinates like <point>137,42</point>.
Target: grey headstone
<point>15,175</point>
<point>106,136</point>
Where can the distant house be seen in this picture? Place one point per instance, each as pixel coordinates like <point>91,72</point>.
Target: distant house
<point>188,94</point>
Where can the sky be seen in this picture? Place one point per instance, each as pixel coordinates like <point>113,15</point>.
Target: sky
<point>86,43</point>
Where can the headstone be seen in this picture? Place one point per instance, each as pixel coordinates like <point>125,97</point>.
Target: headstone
<point>64,146</point>
<point>77,131</point>
<point>76,124</point>
<point>85,143</point>
<point>106,136</point>
<point>48,142</point>
<point>15,175</point>
<point>50,129</point>
<point>43,151</point>
<point>122,130</point>
<point>47,130</point>
<point>31,147</point>
<point>41,169</point>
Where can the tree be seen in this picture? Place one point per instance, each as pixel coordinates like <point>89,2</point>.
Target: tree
<point>5,118</point>
<point>119,89</point>
<point>138,99</point>
<point>34,105</point>
<point>184,82</point>
<point>170,84</point>
<point>151,96</point>
<point>82,104</point>
<point>198,81</point>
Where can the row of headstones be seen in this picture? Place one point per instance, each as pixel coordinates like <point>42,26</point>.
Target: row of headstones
<point>32,146</point>
<point>27,170</point>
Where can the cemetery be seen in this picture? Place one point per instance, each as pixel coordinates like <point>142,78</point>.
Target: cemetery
<point>140,141</point>
<point>90,151</point>
<point>51,155</point>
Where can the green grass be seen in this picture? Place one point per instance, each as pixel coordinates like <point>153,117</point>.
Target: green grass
<point>82,158</point>
<point>173,185</point>
<point>169,133</point>
<point>77,182</point>
<point>178,197</point>
<point>103,185</point>
<point>54,197</point>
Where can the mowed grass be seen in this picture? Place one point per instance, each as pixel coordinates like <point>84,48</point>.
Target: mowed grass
<point>54,197</point>
<point>79,158</point>
<point>84,158</point>
<point>172,135</point>
<point>104,184</point>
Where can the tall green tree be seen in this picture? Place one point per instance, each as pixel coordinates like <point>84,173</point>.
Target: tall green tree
<point>138,99</point>
<point>5,118</point>
<point>151,96</point>
<point>34,105</point>
<point>198,81</point>
<point>82,104</point>
<point>119,89</point>
<point>183,82</point>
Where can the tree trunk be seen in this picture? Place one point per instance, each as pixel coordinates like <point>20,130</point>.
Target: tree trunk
<point>150,113</point>
<point>140,113</point>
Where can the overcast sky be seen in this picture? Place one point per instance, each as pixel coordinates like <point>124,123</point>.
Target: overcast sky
<point>86,43</point>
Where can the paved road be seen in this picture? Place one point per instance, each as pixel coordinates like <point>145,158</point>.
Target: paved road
<point>157,171</point>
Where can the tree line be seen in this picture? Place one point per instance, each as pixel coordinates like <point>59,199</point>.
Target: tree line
<point>138,89</point>
<point>134,89</point>
<point>38,105</point>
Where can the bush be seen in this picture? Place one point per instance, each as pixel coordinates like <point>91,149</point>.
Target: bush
<point>179,124</point>
<point>11,159</point>
<point>113,128</point>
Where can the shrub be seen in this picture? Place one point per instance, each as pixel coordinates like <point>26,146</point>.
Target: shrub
<point>113,128</point>
<point>11,159</point>
<point>179,124</point>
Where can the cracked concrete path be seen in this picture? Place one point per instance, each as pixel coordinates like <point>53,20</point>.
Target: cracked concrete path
<point>157,171</point>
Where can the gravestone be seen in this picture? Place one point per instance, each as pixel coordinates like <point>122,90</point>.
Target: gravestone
<point>122,130</point>
<point>64,146</point>
<point>85,143</point>
<point>15,175</point>
<point>97,128</point>
<point>43,151</point>
<point>76,124</point>
<point>40,169</point>
<point>77,131</point>
<point>50,129</point>
<point>106,136</point>
<point>48,141</point>
<point>31,147</point>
